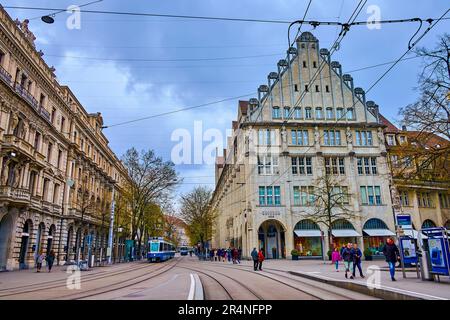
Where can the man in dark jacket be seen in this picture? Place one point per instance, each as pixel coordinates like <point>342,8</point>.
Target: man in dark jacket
<point>347,257</point>
<point>255,259</point>
<point>391,253</point>
<point>357,255</point>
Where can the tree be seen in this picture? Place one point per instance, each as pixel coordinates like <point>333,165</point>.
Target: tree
<point>430,114</point>
<point>330,201</point>
<point>150,182</point>
<point>196,212</point>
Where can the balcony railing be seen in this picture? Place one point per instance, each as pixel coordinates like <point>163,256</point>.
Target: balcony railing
<point>19,143</point>
<point>5,76</point>
<point>15,194</point>
<point>24,93</point>
<point>44,113</point>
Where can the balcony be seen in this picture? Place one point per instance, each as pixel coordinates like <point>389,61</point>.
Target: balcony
<point>44,113</point>
<point>5,76</point>
<point>27,96</point>
<point>16,195</point>
<point>13,142</point>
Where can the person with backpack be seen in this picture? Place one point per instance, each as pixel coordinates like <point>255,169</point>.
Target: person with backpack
<point>254,255</point>
<point>357,256</point>
<point>347,256</point>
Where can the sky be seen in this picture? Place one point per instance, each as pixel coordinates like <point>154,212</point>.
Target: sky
<point>99,63</point>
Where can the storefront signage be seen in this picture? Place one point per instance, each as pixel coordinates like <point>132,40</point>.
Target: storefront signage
<point>408,250</point>
<point>271,213</point>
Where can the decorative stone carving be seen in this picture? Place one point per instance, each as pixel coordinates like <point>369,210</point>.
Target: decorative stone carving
<point>24,28</point>
<point>349,135</point>
<point>380,136</point>
<point>14,121</point>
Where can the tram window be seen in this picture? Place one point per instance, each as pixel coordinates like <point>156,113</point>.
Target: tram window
<point>161,246</point>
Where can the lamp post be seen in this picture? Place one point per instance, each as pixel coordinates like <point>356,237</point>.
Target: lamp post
<point>111,228</point>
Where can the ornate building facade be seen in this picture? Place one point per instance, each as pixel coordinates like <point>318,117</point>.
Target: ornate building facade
<point>308,122</point>
<point>57,172</point>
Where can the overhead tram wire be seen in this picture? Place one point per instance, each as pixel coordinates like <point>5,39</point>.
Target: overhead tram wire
<point>370,88</point>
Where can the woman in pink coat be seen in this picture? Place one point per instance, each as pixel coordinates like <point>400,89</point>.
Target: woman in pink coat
<point>335,257</point>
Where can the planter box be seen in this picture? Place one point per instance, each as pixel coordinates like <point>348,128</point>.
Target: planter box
<point>294,257</point>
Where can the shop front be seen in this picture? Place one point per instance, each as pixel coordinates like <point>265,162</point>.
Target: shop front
<point>271,239</point>
<point>308,239</point>
<point>375,234</point>
<point>343,232</point>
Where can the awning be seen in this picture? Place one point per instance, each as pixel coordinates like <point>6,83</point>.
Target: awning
<point>379,232</point>
<point>307,233</point>
<point>413,234</point>
<point>345,233</point>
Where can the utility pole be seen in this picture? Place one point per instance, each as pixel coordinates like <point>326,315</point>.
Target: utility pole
<point>111,228</point>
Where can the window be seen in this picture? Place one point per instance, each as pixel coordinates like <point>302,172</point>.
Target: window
<point>63,122</point>
<point>330,114</point>
<point>269,196</point>
<point>404,198</point>
<point>45,189</point>
<point>56,194</point>
<point>370,195</point>
<point>350,114</point>
<point>335,165</point>
<point>444,200</point>
<point>367,165</point>
<point>59,158</point>
<point>287,112</point>
<point>308,114</point>
<point>295,88</point>
<point>53,115</point>
<point>2,57</point>
<point>314,64</point>
<point>402,139</point>
<point>301,165</point>
<point>332,137</point>
<point>298,113</point>
<point>319,114</point>
<point>37,140</point>
<point>306,88</point>
<point>364,138</point>
<point>299,137</point>
<point>317,88</point>
<point>304,64</point>
<point>267,165</point>
<point>339,194</point>
<point>276,113</point>
<point>304,195</point>
<point>49,151</point>
<point>390,140</point>
<point>327,88</point>
<point>424,199</point>
<point>32,182</point>
<point>266,137</point>
<point>339,113</point>
<point>42,101</point>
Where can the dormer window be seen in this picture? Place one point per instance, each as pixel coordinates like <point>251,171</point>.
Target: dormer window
<point>402,139</point>
<point>390,140</point>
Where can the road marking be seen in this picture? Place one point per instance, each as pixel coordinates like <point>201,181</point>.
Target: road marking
<point>192,289</point>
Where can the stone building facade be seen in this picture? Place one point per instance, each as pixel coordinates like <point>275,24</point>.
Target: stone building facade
<point>57,171</point>
<point>423,193</point>
<point>308,122</point>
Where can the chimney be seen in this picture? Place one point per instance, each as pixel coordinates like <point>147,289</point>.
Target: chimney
<point>404,128</point>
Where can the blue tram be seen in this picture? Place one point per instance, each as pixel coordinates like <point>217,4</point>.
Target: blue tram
<point>160,250</point>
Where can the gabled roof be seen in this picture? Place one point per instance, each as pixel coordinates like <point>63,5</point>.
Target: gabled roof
<point>429,139</point>
<point>390,128</point>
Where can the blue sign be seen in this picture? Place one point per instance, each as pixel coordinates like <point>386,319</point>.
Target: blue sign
<point>438,250</point>
<point>404,221</point>
<point>408,250</point>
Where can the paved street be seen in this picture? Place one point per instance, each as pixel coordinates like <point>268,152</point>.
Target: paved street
<point>172,280</point>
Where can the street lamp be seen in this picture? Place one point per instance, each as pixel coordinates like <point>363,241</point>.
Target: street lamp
<point>48,19</point>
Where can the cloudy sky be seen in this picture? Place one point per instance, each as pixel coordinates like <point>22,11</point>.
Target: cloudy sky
<point>201,61</point>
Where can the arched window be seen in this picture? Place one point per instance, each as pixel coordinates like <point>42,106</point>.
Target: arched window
<point>342,224</point>
<point>306,225</point>
<point>428,224</point>
<point>375,224</point>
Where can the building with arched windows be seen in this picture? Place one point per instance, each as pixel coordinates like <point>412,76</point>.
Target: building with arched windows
<point>309,122</point>
<point>57,172</point>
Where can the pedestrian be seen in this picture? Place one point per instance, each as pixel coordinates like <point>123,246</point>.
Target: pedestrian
<point>224,255</point>
<point>39,259</point>
<point>229,254</point>
<point>50,259</point>
<point>391,254</point>
<point>254,255</point>
<point>260,259</point>
<point>357,256</point>
<point>235,255</point>
<point>211,255</point>
<point>347,256</point>
<point>335,257</point>
<point>342,249</point>
<point>239,255</point>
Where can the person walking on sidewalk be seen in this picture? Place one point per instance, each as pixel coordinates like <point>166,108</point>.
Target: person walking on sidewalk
<point>50,259</point>
<point>260,259</point>
<point>347,256</point>
<point>39,259</point>
<point>254,255</point>
<point>335,257</point>
<point>357,256</point>
<point>391,253</point>
<point>239,255</point>
<point>229,253</point>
